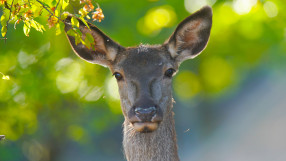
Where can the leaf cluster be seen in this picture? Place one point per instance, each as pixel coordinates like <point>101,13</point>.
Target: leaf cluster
<point>54,12</point>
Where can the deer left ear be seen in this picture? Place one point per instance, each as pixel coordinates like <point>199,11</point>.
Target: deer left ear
<point>105,49</point>
<point>191,36</point>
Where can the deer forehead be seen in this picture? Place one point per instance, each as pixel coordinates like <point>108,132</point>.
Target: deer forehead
<point>146,61</point>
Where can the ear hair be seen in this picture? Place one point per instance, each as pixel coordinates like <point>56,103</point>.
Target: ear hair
<point>191,35</point>
<point>105,51</point>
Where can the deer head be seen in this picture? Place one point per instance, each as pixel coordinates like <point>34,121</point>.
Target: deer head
<point>144,73</point>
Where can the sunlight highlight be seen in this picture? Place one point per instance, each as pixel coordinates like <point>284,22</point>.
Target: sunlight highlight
<point>187,85</point>
<point>89,93</point>
<point>33,150</point>
<point>20,98</point>
<point>194,5</point>
<point>113,98</point>
<point>112,88</point>
<point>270,9</point>
<point>75,132</point>
<point>243,6</point>
<point>94,94</point>
<point>69,75</point>
<point>5,77</point>
<point>26,59</point>
<point>216,73</point>
<point>156,19</point>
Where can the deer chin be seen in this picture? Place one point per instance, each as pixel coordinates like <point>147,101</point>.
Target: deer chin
<point>145,127</point>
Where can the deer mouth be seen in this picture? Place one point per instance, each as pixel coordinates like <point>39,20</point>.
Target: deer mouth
<point>145,127</point>
<point>145,119</point>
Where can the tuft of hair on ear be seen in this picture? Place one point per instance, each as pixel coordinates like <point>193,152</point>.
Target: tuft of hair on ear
<point>191,36</point>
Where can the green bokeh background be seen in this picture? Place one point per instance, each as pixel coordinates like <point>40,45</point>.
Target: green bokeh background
<point>58,107</point>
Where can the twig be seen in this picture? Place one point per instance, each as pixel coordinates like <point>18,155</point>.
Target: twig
<point>46,8</point>
<point>57,5</point>
<point>8,19</point>
<point>6,5</point>
<point>49,10</point>
<point>1,72</point>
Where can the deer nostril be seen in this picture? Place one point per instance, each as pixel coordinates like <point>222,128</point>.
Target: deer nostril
<point>137,110</point>
<point>145,111</point>
<point>154,112</point>
<point>145,114</point>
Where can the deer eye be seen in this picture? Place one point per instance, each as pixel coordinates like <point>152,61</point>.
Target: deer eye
<point>169,73</point>
<point>118,76</point>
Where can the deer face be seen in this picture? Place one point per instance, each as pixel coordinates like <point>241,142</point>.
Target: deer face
<point>144,73</point>
<point>144,76</point>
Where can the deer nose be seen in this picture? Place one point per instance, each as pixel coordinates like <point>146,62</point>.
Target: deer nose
<point>145,114</point>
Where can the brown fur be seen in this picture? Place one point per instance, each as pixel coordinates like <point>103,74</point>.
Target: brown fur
<point>159,145</point>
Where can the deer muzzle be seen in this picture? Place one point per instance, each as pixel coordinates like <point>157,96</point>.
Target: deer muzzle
<point>145,119</point>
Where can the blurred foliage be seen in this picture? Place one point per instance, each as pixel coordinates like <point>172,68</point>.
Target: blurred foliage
<point>52,11</point>
<point>52,97</point>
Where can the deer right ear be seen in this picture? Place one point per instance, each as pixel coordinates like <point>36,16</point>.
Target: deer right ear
<point>105,50</point>
<point>191,35</point>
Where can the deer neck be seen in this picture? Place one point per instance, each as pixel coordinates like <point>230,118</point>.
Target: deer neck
<point>158,145</point>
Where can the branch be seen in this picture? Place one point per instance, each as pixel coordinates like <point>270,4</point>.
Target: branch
<point>6,5</point>
<point>45,7</point>
<point>57,4</point>
<point>49,10</point>
<point>8,18</point>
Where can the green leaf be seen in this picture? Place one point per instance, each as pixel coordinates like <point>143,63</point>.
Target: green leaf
<point>36,9</point>
<point>77,15</point>
<point>65,4</point>
<point>82,12</point>
<point>27,28</point>
<point>74,22</point>
<point>89,37</point>
<point>78,31</point>
<point>43,28</point>
<point>77,39</point>
<point>45,4</point>
<point>60,28</point>
<point>87,43</point>
<point>4,31</point>
<point>36,25</point>
<point>56,13</point>
<point>83,20</point>
<point>71,32</point>
<point>64,15</point>
<point>3,20</point>
<point>54,2</point>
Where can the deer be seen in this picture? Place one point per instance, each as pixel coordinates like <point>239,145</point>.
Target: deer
<point>144,77</point>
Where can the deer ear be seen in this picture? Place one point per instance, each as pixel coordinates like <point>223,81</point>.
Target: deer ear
<point>105,50</point>
<point>191,35</point>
